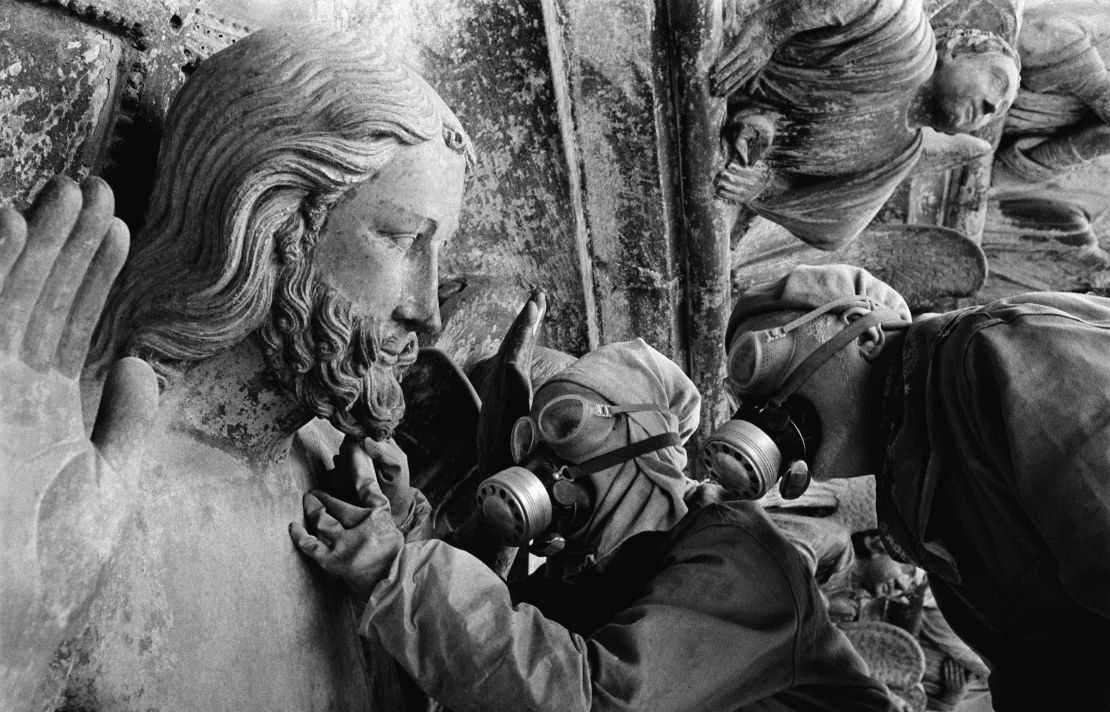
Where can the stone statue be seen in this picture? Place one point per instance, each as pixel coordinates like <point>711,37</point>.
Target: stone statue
<point>289,258</point>
<point>65,496</point>
<point>1042,233</point>
<point>1061,116</point>
<point>828,100</point>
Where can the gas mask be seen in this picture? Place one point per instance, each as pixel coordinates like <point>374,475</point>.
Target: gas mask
<point>775,433</point>
<point>546,498</point>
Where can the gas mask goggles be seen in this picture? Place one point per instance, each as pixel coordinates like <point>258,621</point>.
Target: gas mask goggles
<point>769,439</point>
<point>544,499</point>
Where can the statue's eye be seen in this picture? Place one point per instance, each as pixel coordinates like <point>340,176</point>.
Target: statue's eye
<point>402,240</point>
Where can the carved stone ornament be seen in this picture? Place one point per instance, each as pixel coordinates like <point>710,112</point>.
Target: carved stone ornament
<point>1046,226</point>
<point>827,102</point>
<point>305,185</point>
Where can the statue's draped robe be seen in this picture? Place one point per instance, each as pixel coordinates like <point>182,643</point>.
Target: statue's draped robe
<point>1064,80</point>
<point>843,94</point>
<point>1065,89</point>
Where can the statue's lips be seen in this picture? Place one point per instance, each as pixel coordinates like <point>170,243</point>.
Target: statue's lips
<point>398,353</point>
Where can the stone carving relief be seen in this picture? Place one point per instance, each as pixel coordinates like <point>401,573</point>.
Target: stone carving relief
<point>287,268</point>
<point>58,91</point>
<point>66,496</point>
<point>1046,226</point>
<point>305,186</point>
<point>832,105</point>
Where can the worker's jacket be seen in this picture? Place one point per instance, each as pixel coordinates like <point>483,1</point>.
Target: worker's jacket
<point>997,482</point>
<point>719,613</point>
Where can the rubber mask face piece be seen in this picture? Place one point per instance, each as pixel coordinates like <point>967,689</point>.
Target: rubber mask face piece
<point>758,361</point>
<point>545,499</point>
<point>775,431</point>
<point>537,501</point>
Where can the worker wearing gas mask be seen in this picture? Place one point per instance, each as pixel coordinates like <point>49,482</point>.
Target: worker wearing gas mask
<point>643,605</point>
<point>988,429</point>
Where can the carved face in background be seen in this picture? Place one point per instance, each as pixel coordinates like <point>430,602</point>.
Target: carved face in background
<point>972,89</point>
<point>371,289</point>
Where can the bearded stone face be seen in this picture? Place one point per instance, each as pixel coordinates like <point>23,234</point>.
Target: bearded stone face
<point>345,315</point>
<point>340,366</point>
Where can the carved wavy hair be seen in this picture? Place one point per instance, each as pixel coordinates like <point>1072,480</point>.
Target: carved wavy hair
<point>258,145</point>
<point>967,40</point>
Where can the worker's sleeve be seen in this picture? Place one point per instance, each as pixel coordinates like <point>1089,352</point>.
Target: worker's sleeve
<point>1048,378</point>
<point>709,633</point>
<point>419,523</point>
<point>449,622</point>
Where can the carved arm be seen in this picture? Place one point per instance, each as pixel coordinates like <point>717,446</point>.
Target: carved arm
<point>754,29</point>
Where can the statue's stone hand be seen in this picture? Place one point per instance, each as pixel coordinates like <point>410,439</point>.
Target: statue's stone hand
<point>519,343</point>
<point>506,391</point>
<point>745,55</point>
<point>748,136</point>
<point>740,184</point>
<point>942,152</point>
<point>358,544</point>
<point>64,496</point>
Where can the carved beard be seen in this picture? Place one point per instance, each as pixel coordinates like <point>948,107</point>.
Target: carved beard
<point>340,367</point>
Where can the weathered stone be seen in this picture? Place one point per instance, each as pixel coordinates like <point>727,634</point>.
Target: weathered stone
<point>707,222</point>
<point>66,497</point>
<point>956,196</point>
<point>489,60</point>
<point>205,604</point>
<point>612,62</point>
<point>820,139</point>
<point>1047,239</point>
<point>59,82</point>
<point>1045,226</point>
<point>930,266</point>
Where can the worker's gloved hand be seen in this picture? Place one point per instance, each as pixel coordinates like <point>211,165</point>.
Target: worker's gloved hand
<point>358,544</point>
<point>381,467</point>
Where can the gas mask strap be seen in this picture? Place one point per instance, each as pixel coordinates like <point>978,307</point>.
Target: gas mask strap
<point>849,301</point>
<point>828,349</point>
<point>606,409</point>
<point>623,454</point>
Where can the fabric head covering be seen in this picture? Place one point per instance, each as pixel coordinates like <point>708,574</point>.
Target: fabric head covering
<point>649,488</point>
<point>808,287</point>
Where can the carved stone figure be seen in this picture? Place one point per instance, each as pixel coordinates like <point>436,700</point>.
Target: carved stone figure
<point>1061,114</point>
<point>65,496</point>
<point>289,257</point>
<point>1045,228</point>
<point>828,101</point>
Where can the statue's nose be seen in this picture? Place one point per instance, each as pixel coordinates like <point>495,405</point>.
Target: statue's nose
<point>418,308</point>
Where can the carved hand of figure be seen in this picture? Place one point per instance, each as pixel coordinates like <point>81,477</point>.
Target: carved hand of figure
<point>506,392</point>
<point>358,544</point>
<point>739,184</point>
<point>747,136</point>
<point>956,680</point>
<point>519,344</point>
<point>382,468</point>
<point>65,496</point>
<point>745,54</point>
